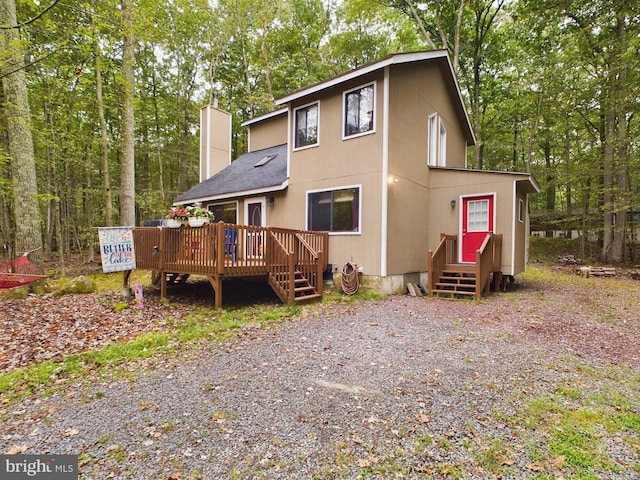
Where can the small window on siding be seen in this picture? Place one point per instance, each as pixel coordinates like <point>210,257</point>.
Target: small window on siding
<point>306,126</point>
<point>442,146</point>
<point>436,142</point>
<point>521,211</point>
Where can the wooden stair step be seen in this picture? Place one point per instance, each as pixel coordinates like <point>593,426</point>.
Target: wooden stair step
<point>308,298</point>
<point>451,292</point>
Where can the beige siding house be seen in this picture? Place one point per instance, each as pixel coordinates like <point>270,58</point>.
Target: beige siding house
<point>376,157</point>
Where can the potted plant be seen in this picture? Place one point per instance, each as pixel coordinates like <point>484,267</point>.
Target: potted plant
<point>176,217</point>
<point>198,216</point>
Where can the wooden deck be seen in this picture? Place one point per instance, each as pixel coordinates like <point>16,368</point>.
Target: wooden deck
<point>293,261</point>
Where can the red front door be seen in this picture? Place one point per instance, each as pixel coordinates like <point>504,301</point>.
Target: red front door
<point>477,221</point>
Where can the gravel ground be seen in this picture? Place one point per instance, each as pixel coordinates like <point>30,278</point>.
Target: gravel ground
<point>397,388</point>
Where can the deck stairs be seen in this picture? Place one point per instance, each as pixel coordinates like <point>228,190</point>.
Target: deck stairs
<point>456,281</point>
<point>303,290</point>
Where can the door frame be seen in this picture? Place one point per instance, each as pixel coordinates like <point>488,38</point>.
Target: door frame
<point>255,241</point>
<point>462,199</point>
<point>263,209</point>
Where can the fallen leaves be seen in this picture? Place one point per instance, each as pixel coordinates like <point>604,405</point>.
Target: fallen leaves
<point>44,328</point>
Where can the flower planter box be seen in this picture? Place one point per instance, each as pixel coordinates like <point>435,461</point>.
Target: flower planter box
<point>197,221</point>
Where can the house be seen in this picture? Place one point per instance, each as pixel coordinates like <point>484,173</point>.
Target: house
<point>376,157</point>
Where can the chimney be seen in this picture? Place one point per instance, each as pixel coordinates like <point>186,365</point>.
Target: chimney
<point>215,139</point>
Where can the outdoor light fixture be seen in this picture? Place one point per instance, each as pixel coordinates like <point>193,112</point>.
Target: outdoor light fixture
<point>391,180</point>
<point>270,201</point>
<point>453,203</point>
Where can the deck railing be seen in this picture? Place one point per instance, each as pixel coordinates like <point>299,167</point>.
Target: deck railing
<point>231,250</point>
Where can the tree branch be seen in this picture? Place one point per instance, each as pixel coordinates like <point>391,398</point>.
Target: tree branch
<point>23,24</point>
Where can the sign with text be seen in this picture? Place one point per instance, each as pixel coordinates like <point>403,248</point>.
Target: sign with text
<point>39,467</point>
<point>116,249</point>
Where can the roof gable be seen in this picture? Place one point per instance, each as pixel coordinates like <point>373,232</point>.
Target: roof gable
<point>396,59</point>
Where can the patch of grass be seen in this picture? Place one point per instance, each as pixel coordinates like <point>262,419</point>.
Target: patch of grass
<point>575,422</point>
<point>205,324</point>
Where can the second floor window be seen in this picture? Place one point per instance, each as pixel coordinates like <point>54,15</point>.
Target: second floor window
<point>358,110</point>
<point>306,127</point>
<point>437,142</point>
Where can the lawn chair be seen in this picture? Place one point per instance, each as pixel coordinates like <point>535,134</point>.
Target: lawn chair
<point>231,243</point>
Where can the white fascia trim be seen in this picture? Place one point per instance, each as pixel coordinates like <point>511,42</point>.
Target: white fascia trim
<point>392,60</point>
<point>514,222</point>
<point>461,100</point>
<point>230,195</point>
<point>266,116</point>
<point>384,224</point>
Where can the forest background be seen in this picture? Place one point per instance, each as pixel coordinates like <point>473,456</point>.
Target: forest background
<point>101,98</point>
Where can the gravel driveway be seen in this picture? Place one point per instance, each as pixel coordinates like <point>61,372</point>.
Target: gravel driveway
<point>397,388</point>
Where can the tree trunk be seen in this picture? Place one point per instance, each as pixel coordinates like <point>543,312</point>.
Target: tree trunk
<point>28,237</point>
<point>104,139</point>
<point>127,167</point>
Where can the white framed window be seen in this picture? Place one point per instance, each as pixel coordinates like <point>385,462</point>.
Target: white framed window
<point>521,210</point>
<point>442,146</point>
<point>226,212</point>
<point>334,211</point>
<point>478,215</point>
<point>359,111</point>
<point>436,142</point>
<point>305,128</point>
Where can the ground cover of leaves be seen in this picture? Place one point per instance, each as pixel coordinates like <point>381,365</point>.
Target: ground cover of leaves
<point>396,388</point>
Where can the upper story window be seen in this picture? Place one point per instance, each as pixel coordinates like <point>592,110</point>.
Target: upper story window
<point>334,210</point>
<point>437,142</point>
<point>306,126</point>
<point>359,111</point>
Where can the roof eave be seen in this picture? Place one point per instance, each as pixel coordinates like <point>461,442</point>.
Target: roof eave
<point>395,59</point>
<point>233,195</point>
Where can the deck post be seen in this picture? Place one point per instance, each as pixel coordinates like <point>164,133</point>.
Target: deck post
<point>291,294</point>
<point>219,248</point>
<point>216,284</point>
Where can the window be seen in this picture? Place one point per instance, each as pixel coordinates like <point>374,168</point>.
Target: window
<point>358,111</point>
<point>521,211</point>
<point>334,210</point>
<point>306,126</point>
<point>226,212</point>
<point>478,216</point>
<point>437,142</point>
<point>442,151</point>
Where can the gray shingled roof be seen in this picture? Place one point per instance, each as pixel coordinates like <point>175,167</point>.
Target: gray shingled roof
<point>243,175</point>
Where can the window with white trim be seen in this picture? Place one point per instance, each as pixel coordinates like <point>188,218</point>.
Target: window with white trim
<point>334,210</point>
<point>521,210</point>
<point>306,126</point>
<point>225,212</point>
<point>359,111</point>
<point>436,142</point>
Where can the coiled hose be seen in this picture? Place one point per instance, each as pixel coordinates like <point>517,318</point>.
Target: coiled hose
<point>350,278</point>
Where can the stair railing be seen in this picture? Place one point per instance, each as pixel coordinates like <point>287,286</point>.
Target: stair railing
<point>484,265</point>
<point>308,263</point>
<point>281,268</point>
<point>438,259</point>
